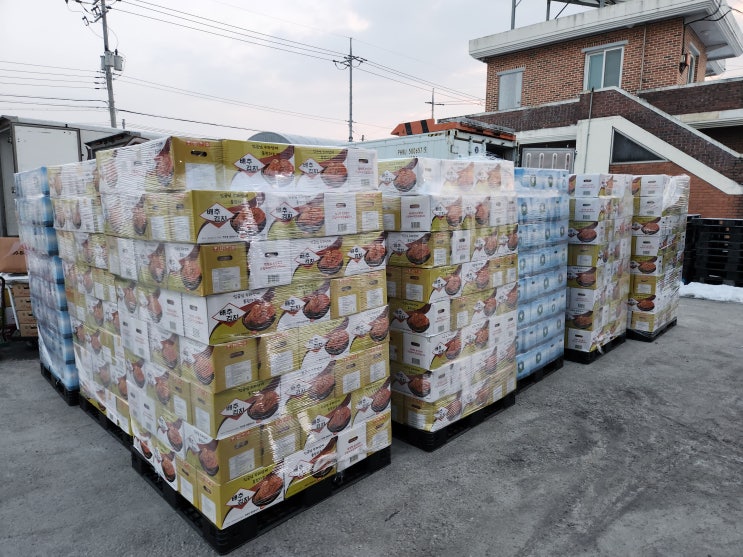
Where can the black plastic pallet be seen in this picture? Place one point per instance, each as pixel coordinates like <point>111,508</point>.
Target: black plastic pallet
<point>99,417</point>
<point>70,396</point>
<point>537,375</point>
<point>431,440</point>
<point>232,537</point>
<point>590,357</point>
<point>650,337</point>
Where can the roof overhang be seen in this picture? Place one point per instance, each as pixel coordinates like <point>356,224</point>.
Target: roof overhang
<point>721,36</point>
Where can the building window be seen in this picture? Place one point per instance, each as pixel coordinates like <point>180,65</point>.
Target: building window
<point>509,89</point>
<point>624,150</point>
<point>603,66</point>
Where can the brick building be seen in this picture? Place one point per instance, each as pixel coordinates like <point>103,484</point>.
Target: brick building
<point>624,85</point>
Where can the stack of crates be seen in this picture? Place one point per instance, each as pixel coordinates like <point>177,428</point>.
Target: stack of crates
<point>253,311</point>
<point>48,302</point>
<point>543,211</point>
<point>661,204</point>
<point>452,281</point>
<point>598,263</point>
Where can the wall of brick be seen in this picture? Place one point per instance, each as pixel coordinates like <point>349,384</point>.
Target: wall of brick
<point>555,72</point>
<point>726,94</point>
<point>704,199</point>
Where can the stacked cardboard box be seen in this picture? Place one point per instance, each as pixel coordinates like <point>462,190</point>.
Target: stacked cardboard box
<point>658,238</point>
<point>543,251</point>
<point>452,280</point>
<point>98,352</point>
<point>41,305</point>
<point>252,303</point>
<point>598,260</point>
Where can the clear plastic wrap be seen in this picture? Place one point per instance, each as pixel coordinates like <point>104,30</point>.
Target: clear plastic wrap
<point>658,227</point>
<point>598,260</point>
<point>543,248</point>
<point>452,246</point>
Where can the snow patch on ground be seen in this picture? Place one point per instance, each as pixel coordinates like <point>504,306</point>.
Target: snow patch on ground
<point>716,292</point>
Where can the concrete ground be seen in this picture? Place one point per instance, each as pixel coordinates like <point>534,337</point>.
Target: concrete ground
<point>639,453</point>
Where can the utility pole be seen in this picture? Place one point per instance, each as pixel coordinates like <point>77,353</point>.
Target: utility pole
<point>107,63</point>
<point>432,103</point>
<point>348,62</point>
<point>109,60</point>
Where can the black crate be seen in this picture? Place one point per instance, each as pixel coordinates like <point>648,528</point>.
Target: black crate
<point>100,418</point>
<point>70,396</point>
<point>232,537</point>
<point>650,337</point>
<point>432,440</point>
<point>539,374</point>
<point>590,357</point>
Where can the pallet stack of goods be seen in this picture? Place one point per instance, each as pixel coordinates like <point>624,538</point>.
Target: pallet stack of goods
<point>252,302</point>
<point>543,212</point>
<point>91,300</point>
<point>661,204</point>
<point>453,285</point>
<point>41,305</point>
<point>599,250</point>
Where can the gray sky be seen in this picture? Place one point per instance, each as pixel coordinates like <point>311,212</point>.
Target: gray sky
<point>271,63</point>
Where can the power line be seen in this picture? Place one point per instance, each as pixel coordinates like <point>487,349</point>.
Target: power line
<point>42,85</point>
<point>44,66</point>
<point>249,32</point>
<point>169,88</point>
<point>42,79</point>
<point>50,98</point>
<point>314,49</point>
<point>220,34</point>
<point>187,120</point>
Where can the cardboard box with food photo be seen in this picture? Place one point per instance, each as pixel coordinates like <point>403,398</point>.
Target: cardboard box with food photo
<point>166,164</point>
<point>357,370</point>
<point>427,352</point>
<point>208,216</point>
<point>224,317</point>
<point>419,317</point>
<point>307,387</point>
<point>315,462</point>
<point>433,416</point>
<point>206,269</point>
<point>218,367</point>
<point>430,249</point>
<point>92,249</point>
<point>303,215</point>
<point>152,269</point>
<point>278,262</point>
<point>430,285</point>
<point>358,293</point>
<point>258,165</point>
<point>280,438</point>
<point>225,459</point>
<point>187,481</point>
<point>409,176</point>
<point>370,401</point>
<point>227,504</point>
<point>237,409</point>
<point>428,385</point>
<point>325,419</point>
<point>320,168</point>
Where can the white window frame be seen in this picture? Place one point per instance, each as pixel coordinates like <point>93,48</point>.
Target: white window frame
<point>691,76</point>
<point>521,89</point>
<point>588,52</point>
